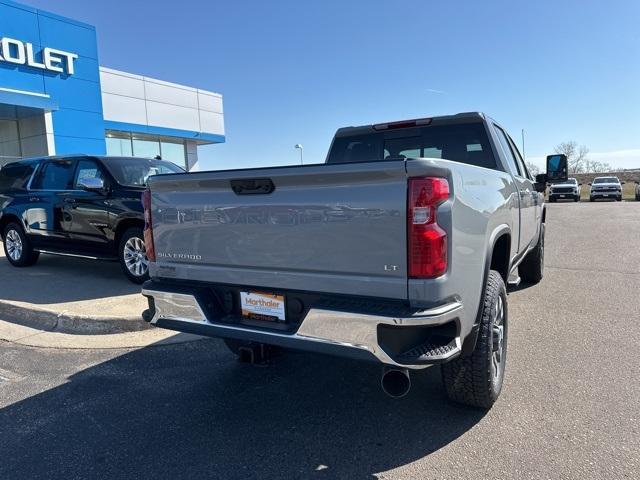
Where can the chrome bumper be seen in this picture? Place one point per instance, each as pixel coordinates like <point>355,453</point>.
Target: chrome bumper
<point>327,331</point>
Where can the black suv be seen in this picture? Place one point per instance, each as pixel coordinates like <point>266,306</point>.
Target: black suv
<point>83,206</point>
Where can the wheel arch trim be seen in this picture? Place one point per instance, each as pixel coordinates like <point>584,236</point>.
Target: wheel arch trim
<point>469,343</point>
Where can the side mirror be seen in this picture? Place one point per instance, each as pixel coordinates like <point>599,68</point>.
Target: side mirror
<point>557,169</point>
<point>622,183</point>
<point>589,183</point>
<point>579,184</point>
<point>91,184</point>
<point>541,183</point>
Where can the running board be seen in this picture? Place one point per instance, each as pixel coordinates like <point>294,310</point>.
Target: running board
<point>74,255</point>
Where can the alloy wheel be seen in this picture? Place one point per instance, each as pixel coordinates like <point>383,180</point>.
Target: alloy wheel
<point>135,257</point>
<point>14,245</point>
<point>498,330</point>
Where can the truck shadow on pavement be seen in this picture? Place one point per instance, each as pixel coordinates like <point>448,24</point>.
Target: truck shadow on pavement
<point>192,411</point>
<point>56,279</point>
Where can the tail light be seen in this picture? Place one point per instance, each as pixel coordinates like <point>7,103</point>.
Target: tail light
<point>427,249</point>
<point>148,226</point>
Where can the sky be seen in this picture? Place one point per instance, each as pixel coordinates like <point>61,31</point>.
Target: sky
<point>295,71</point>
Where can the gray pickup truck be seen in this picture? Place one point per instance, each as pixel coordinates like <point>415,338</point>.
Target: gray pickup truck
<point>396,250</point>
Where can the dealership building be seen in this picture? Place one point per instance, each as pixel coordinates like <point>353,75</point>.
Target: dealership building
<point>56,99</point>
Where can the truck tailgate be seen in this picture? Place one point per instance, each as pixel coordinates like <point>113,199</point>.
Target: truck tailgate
<point>325,228</point>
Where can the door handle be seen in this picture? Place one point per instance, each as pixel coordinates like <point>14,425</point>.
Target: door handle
<point>71,202</point>
<point>34,199</point>
<point>253,186</point>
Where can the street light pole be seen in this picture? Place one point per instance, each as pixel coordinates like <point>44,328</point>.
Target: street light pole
<point>301,148</point>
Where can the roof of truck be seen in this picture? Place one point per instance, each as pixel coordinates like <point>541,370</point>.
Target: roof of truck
<point>415,122</point>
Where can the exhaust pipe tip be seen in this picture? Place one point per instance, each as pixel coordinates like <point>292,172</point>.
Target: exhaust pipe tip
<point>395,382</point>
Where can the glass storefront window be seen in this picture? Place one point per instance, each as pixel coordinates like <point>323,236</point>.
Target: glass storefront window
<point>119,144</point>
<point>174,152</point>
<point>124,144</point>
<point>146,147</point>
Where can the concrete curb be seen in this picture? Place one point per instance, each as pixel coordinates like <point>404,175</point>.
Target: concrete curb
<point>69,323</point>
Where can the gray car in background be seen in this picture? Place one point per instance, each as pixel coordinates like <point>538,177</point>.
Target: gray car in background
<point>397,250</point>
<point>606,188</point>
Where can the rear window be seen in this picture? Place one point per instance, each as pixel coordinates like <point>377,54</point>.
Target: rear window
<point>135,172</point>
<point>15,176</point>
<point>606,180</point>
<point>465,143</point>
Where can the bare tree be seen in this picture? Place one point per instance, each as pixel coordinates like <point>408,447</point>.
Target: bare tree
<point>533,168</point>
<point>576,155</point>
<point>593,166</point>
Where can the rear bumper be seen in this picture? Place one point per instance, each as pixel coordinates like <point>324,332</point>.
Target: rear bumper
<point>415,340</point>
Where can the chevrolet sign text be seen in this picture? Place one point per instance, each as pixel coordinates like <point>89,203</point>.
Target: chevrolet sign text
<point>22,53</point>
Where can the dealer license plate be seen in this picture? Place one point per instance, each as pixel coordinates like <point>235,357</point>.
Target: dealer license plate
<point>562,196</point>
<point>605,194</point>
<point>263,306</point>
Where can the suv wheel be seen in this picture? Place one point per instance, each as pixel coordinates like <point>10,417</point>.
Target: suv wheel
<point>531,269</point>
<point>17,247</point>
<point>476,379</point>
<point>133,255</point>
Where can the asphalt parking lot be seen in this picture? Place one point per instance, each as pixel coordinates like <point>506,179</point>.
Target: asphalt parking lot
<point>570,406</point>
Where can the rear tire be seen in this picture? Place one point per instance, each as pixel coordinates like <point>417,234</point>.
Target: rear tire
<point>132,255</point>
<point>576,199</point>
<point>476,379</point>
<point>531,269</point>
<point>17,247</point>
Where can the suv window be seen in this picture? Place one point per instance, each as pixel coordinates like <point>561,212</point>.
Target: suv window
<point>511,159</point>
<point>464,142</point>
<point>519,159</point>
<point>135,172</point>
<point>87,169</point>
<point>54,175</point>
<point>15,176</point>
<point>607,180</point>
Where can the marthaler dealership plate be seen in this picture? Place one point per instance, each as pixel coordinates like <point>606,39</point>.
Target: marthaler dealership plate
<point>263,306</point>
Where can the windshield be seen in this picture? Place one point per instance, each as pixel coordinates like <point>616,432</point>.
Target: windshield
<point>570,181</point>
<point>606,180</point>
<point>135,172</point>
